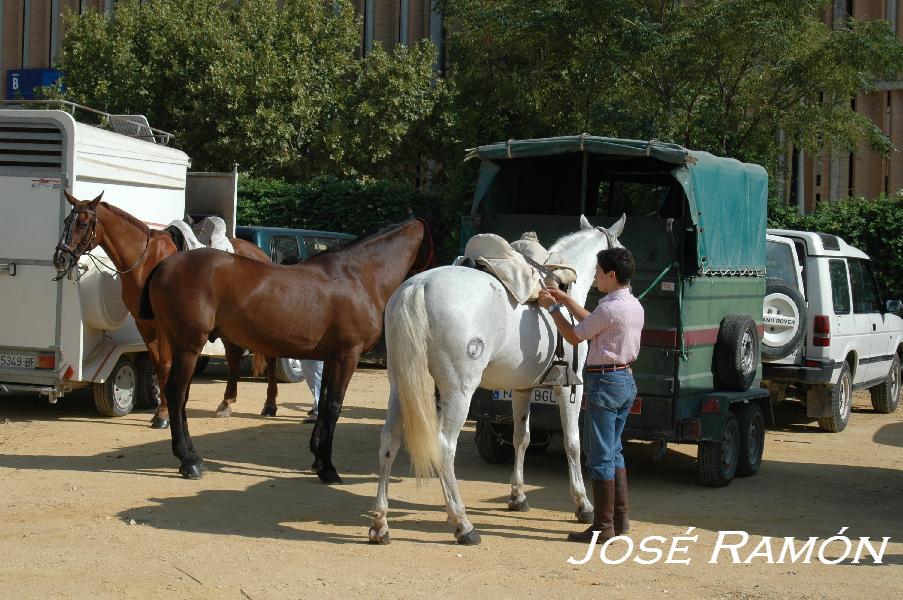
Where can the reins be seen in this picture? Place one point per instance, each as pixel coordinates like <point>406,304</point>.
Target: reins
<point>87,243</point>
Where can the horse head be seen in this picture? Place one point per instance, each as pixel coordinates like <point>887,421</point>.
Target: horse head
<point>581,247</point>
<point>79,234</point>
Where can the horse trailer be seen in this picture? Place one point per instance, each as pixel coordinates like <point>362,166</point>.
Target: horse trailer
<point>56,336</point>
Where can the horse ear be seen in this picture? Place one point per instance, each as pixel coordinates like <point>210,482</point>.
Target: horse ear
<point>96,201</point>
<point>584,223</point>
<point>617,229</point>
<point>70,198</point>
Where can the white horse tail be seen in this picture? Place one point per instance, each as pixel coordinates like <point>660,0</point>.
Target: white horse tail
<point>407,335</point>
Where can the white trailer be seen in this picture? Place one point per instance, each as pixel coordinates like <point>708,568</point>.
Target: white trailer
<point>58,336</point>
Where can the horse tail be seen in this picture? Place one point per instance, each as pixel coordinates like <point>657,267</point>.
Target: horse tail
<point>259,364</point>
<point>145,310</point>
<point>407,336</point>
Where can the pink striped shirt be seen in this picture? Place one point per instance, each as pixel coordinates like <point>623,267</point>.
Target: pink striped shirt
<point>614,329</point>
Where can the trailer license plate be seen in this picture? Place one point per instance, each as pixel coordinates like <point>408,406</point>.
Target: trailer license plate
<point>17,361</point>
<point>537,395</point>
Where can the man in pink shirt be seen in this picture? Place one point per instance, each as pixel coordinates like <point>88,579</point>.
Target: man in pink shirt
<point>614,329</point>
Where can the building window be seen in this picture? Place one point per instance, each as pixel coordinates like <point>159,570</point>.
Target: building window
<point>818,180</point>
<point>817,199</point>
<point>850,179</point>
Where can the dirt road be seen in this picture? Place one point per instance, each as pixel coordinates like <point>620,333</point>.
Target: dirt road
<point>94,508</point>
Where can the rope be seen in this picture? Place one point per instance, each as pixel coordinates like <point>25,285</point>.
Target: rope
<point>657,280</point>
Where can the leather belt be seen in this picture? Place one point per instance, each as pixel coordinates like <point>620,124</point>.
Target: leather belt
<point>605,368</point>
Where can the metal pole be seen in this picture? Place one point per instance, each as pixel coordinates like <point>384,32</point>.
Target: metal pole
<point>403,10</point>
<point>2,72</point>
<point>891,14</point>
<point>368,26</point>
<point>108,7</point>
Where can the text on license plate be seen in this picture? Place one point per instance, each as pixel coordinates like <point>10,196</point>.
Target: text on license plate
<point>17,361</point>
<point>537,395</point>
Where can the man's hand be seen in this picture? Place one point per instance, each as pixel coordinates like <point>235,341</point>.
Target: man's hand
<point>546,299</point>
<point>559,295</point>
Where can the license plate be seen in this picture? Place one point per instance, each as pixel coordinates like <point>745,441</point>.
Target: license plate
<point>17,361</point>
<point>537,395</point>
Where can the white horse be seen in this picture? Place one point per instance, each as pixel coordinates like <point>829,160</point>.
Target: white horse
<point>459,328</point>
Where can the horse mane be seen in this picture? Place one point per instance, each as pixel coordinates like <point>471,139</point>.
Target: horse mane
<point>126,216</point>
<point>369,234</point>
<point>566,242</point>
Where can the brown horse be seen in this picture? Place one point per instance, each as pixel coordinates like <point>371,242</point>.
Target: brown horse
<point>135,249</point>
<point>328,308</point>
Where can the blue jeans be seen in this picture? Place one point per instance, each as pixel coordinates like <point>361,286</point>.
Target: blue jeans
<point>313,373</point>
<point>609,398</point>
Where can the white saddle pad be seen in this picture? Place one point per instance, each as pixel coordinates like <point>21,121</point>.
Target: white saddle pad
<point>211,232</point>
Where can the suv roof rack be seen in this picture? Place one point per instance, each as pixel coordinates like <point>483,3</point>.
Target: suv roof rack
<point>135,126</point>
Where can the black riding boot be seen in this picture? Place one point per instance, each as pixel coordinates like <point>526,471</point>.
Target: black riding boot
<point>622,521</point>
<point>604,508</point>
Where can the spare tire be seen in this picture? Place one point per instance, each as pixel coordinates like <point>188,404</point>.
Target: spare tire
<point>784,316</point>
<point>736,353</point>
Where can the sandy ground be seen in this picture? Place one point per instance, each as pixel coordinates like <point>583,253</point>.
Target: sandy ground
<point>94,508</point>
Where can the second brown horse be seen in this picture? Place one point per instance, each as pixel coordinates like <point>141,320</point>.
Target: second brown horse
<point>328,308</point>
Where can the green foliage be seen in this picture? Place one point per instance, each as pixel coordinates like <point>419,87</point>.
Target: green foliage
<point>875,226</point>
<point>278,90</point>
<point>348,205</point>
<point>718,75</point>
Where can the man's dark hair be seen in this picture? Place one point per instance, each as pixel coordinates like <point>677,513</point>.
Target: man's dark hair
<point>619,260</point>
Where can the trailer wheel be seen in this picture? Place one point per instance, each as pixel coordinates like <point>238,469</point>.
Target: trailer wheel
<point>115,397</point>
<point>492,445</point>
<point>148,389</point>
<point>718,460</point>
<point>736,353</point>
<point>288,370</point>
<point>752,440</point>
<point>886,395</point>
<point>841,403</point>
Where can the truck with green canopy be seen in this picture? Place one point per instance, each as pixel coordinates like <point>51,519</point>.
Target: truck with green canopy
<point>696,226</point>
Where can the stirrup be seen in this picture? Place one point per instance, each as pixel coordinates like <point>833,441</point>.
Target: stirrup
<point>560,373</point>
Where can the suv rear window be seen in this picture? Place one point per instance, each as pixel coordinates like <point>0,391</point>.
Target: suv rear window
<point>285,250</point>
<point>865,293</point>
<point>317,244</point>
<point>840,287</point>
<point>779,263</point>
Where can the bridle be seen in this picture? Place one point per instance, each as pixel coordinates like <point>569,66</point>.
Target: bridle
<point>428,238</point>
<point>87,244</point>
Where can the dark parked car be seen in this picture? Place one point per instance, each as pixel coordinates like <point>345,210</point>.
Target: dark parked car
<point>288,247</point>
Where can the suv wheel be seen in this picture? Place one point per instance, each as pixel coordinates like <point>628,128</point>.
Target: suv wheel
<point>886,396</point>
<point>784,316</point>
<point>841,403</point>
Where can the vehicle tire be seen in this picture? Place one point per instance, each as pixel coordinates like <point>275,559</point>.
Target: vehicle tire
<point>718,460</point>
<point>736,353</point>
<point>886,396</point>
<point>115,397</point>
<point>752,440</point>
<point>200,365</point>
<point>148,389</point>
<point>785,318</point>
<point>540,440</point>
<point>288,370</point>
<point>841,403</point>
<point>491,444</point>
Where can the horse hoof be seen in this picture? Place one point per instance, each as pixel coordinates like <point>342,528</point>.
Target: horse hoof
<point>585,516</point>
<point>471,538</point>
<point>190,471</point>
<point>268,411</point>
<point>521,506</point>
<point>158,423</point>
<point>329,477</point>
<point>382,540</point>
<point>223,410</point>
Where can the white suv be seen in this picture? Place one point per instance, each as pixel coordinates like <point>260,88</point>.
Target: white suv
<point>850,339</point>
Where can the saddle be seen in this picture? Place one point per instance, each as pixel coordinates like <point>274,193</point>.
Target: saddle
<point>524,266</point>
<point>209,232</point>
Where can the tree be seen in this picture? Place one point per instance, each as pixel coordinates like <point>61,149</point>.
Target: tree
<point>279,90</point>
<point>718,75</point>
